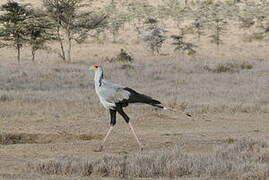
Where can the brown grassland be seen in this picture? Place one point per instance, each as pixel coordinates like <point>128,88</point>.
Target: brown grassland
<point>51,120</point>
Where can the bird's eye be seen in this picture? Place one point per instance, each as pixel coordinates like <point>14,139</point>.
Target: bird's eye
<point>96,66</point>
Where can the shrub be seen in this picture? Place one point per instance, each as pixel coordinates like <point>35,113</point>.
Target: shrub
<point>153,35</point>
<point>123,56</point>
<point>229,67</point>
<point>182,45</point>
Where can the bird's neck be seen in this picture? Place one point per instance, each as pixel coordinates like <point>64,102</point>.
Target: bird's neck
<point>98,77</point>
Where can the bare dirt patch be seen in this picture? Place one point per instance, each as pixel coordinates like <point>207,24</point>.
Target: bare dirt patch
<point>24,138</point>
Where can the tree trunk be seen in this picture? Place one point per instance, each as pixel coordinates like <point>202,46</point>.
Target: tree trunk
<point>62,54</point>
<point>137,28</point>
<point>186,3</point>
<point>199,32</point>
<point>218,37</point>
<point>69,47</point>
<point>18,53</point>
<point>236,1</point>
<point>69,38</point>
<point>33,54</point>
<point>114,37</point>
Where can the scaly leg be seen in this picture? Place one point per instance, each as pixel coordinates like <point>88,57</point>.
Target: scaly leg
<point>112,123</point>
<point>107,134</point>
<point>126,118</point>
<point>139,143</point>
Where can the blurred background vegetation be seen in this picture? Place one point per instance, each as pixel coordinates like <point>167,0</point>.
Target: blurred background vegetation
<point>67,22</point>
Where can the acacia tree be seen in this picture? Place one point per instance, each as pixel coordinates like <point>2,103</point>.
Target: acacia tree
<point>255,16</point>
<point>198,13</point>
<point>13,30</point>
<point>217,20</point>
<point>72,23</point>
<point>153,35</point>
<point>40,31</point>
<point>117,18</point>
<point>182,45</point>
<point>174,9</point>
<point>138,12</point>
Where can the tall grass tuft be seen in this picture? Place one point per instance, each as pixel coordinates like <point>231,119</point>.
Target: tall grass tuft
<point>241,159</point>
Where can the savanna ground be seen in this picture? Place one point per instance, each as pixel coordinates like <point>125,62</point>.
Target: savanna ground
<point>52,121</point>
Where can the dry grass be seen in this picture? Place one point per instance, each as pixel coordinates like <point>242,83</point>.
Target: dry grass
<point>243,159</point>
<point>191,84</point>
<point>63,165</point>
<point>229,67</point>
<point>50,108</point>
<point>47,108</point>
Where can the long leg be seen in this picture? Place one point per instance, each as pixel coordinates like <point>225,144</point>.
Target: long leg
<point>112,123</point>
<point>139,143</point>
<point>126,118</point>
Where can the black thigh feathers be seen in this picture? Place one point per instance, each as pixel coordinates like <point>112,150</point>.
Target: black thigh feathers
<point>113,116</point>
<point>136,97</point>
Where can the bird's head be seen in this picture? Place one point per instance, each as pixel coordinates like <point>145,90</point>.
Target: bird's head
<point>98,71</point>
<point>95,67</point>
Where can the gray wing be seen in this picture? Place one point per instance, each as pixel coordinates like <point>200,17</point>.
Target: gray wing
<point>112,92</point>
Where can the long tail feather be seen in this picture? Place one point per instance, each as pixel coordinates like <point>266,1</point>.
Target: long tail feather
<point>141,98</point>
<point>171,109</point>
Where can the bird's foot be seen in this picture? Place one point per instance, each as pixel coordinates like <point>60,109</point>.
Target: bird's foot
<point>188,114</point>
<point>141,148</point>
<point>99,149</point>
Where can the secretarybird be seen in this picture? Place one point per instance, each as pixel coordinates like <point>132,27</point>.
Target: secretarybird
<point>115,97</point>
